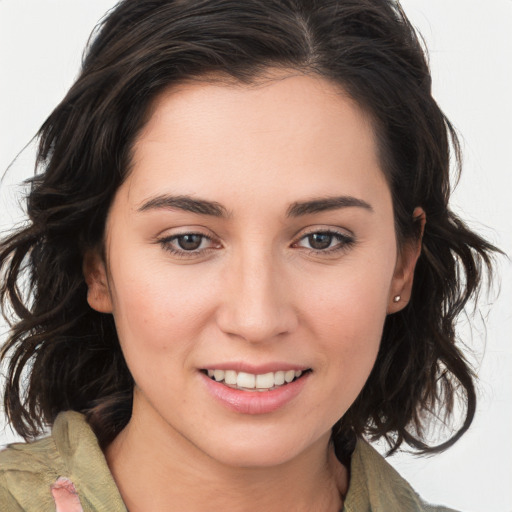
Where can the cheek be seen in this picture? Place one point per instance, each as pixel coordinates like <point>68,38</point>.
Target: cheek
<point>347,316</point>
<point>351,343</point>
<point>352,302</point>
<point>153,306</point>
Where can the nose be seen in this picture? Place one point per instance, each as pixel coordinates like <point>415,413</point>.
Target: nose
<point>257,303</point>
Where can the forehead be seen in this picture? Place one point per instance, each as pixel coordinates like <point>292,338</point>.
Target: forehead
<point>296,133</point>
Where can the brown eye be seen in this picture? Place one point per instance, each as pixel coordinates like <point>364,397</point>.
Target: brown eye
<point>320,241</point>
<point>325,242</point>
<point>189,245</point>
<point>189,242</point>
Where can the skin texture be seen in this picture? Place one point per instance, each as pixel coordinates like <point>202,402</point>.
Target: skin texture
<point>254,292</point>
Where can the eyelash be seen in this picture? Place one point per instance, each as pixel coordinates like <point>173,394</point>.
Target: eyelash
<point>344,242</point>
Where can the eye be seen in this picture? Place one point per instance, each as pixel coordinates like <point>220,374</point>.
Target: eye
<point>188,244</point>
<point>320,241</point>
<point>325,241</point>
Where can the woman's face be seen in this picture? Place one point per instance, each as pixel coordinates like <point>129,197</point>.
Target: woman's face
<point>253,238</point>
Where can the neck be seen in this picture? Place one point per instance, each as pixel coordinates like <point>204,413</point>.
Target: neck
<point>154,468</point>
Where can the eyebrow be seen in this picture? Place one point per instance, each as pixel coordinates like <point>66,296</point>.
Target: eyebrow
<point>185,203</point>
<point>298,209</point>
<point>214,209</point>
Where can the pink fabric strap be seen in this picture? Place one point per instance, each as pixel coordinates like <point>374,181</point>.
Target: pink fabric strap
<point>65,496</point>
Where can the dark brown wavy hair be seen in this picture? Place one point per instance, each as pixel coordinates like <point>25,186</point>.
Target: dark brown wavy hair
<point>63,355</point>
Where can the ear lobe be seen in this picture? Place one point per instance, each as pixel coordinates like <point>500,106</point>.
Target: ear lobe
<point>401,286</point>
<point>95,273</point>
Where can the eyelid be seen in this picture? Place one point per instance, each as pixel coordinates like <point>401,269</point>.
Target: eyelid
<point>185,229</point>
<point>324,229</point>
<point>335,230</point>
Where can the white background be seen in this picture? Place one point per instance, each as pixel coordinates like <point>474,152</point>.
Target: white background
<point>470,46</point>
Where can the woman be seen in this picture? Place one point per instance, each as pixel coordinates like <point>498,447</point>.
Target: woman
<point>242,261</point>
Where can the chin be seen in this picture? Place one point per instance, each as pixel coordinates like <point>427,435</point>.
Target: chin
<point>255,456</point>
<point>260,451</point>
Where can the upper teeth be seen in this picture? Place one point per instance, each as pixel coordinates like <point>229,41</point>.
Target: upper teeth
<point>250,381</point>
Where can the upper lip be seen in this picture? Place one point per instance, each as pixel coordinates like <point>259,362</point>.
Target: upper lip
<point>259,369</point>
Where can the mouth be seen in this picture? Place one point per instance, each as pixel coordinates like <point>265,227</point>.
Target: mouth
<point>244,381</point>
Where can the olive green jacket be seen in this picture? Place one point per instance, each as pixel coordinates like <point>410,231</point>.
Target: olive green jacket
<point>28,473</point>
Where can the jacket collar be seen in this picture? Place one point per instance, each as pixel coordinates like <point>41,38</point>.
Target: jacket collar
<point>375,486</point>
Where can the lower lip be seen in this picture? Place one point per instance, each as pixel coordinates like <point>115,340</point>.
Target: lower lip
<point>255,402</point>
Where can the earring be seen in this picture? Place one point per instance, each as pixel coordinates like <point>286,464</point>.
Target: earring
<point>396,298</point>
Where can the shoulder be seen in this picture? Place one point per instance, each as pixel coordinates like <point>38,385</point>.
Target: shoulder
<point>31,472</point>
<point>376,485</point>
<point>26,473</point>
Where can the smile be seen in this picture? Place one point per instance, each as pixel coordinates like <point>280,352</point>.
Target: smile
<point>254,382</point>
<point>246,392</point>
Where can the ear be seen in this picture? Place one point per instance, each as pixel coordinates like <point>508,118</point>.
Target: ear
<point>95,273</point>
<point>401,286</point>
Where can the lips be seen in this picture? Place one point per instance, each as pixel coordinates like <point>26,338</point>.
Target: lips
<point>244,397</point>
